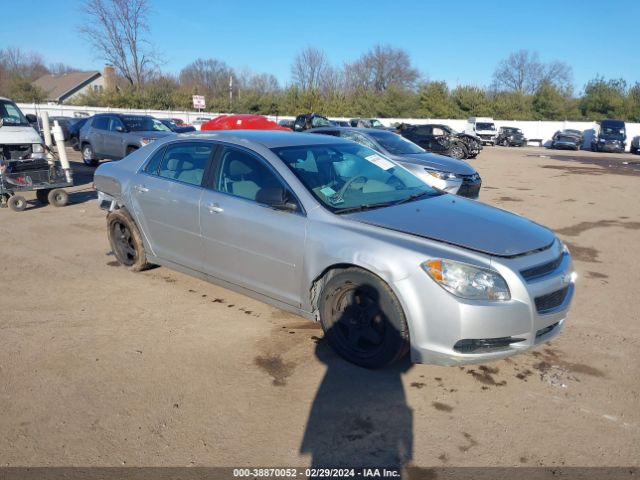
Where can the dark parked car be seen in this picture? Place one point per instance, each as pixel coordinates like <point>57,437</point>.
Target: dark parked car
<point>611,137</point>
<point>635,145</point>
<point>442,139</point>
<point>341,123</point>
<point>567,139</point>
<point>446,174</point>
<point>310,120</point>
<point>510,137</point>
<point>366,123</point>
<point>286,123</point>
<point>74,132</point>
<point>174,127</point>
<point>114,136</point>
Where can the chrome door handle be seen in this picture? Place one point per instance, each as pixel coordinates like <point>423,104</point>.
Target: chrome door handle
<point>141,188</point>
<point>214,208</point>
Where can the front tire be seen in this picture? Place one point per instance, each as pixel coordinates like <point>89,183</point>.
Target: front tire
<point>58,197</point>
<point>88,155</point>
<point>458,151</point>
<point>362,319</point>
<point>126,241</point>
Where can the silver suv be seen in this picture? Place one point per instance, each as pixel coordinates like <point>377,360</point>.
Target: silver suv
<point>114,136</point>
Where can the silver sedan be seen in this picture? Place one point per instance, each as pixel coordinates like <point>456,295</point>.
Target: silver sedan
<point>343,235</point>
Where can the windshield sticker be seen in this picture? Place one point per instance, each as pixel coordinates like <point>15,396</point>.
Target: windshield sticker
<point>327,191</point>
<point>381,162</point>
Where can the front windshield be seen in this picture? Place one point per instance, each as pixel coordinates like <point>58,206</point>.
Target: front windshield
<point>485,126</point>
<point>169,124</point>
<point>144,124</point>
<point>320,122</point>
<point>350,176</point>
<point>375,123</point>
<point>11,115</point>
<point>396,144</point>
<point>613,131</point>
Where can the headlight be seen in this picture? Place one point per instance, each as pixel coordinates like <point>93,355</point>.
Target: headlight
<point>37,148</point>
<point>440,175</point>
<point>146,141</point>
<point>466,281</point>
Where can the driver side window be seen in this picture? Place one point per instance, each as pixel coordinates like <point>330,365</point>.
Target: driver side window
<point>242,175</point>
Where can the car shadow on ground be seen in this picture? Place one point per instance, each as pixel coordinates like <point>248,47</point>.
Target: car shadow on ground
<point>359,417</point>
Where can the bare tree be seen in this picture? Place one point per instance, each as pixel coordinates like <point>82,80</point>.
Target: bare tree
<point>24,65</point>
<point>60,69</point>
<point>523,72</point>
<point>117,29</point>
<point>308,68</point>
<point>210,76</point>
<point>382,67</point>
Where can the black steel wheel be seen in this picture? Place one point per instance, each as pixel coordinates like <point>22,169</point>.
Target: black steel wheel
<point>58,197</point>
<point>42,195</point>
<point>17,203</point>
<point>125,240</point>
<point>362,319</point>
<point>504,142</point>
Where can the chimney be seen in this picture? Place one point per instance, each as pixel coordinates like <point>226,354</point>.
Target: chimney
<point>109,74</point>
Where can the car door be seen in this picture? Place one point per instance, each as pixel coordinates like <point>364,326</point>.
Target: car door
<point>166,199</point>
<point>248,243</point>
<point>114,138</point>
<point>99,126</point>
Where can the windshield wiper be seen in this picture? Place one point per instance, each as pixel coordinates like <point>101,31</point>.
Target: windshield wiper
<point>366,206</point>
<point>416,196</point>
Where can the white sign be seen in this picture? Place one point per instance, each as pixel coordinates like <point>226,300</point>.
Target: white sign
<point>198,101</point>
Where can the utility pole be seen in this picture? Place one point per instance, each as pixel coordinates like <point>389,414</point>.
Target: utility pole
<point>230,93</point>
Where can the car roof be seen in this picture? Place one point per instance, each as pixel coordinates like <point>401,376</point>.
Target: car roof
<point>266,138</point>
<point>349,129</point>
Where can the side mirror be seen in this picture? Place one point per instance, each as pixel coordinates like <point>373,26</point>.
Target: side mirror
<point>120,129</point>
<point>31,118</point>
<point>277,198</point>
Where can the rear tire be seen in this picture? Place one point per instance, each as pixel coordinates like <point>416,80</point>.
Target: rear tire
<point>17,203</point>
<point>362,319</point>
<point>126,241</point>
<point>88,155</point>
<point>58,197</point>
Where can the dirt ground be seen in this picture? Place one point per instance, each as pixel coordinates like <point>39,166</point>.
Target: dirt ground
<point>103,367</point>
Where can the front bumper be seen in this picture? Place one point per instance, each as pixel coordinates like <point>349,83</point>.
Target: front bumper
<point>441,324</point>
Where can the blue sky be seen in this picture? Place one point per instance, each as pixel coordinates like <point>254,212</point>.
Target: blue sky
<point>456,41</point>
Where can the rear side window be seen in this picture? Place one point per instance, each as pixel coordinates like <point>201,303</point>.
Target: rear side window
<point>101,123</point>
<point>185,162</point>
<point>153,164</point>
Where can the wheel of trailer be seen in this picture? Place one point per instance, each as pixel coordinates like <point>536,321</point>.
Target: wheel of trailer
<point>43,195</point>
<point>457,151</point>
<point>126,241</point>
<point>58,197</point>
<point>362,319</point>
<point>87,155</point>
<point>17,203</point>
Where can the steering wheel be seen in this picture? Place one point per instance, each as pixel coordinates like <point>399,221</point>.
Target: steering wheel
<point>348,183</point>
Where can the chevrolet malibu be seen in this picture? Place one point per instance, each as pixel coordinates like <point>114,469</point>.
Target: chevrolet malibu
<point>340,234</point>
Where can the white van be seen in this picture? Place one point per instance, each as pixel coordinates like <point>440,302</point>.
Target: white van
<point>18,139</point>
<point>483,127</point>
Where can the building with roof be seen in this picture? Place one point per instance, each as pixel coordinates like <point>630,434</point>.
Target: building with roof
<point>65,87</point>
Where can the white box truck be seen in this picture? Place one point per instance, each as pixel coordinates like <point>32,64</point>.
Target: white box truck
<point>483,127</point>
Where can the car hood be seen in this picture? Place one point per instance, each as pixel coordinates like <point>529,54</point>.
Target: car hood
<point>18,135</point>
<point>437,162</point>
<point>150,134</point>
<point>465,223</point>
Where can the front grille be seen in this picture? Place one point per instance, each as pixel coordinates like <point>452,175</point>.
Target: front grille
<point>551,300</point>
<point>541,270</point>
<point>485,136</point>
<point>469,190</point>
